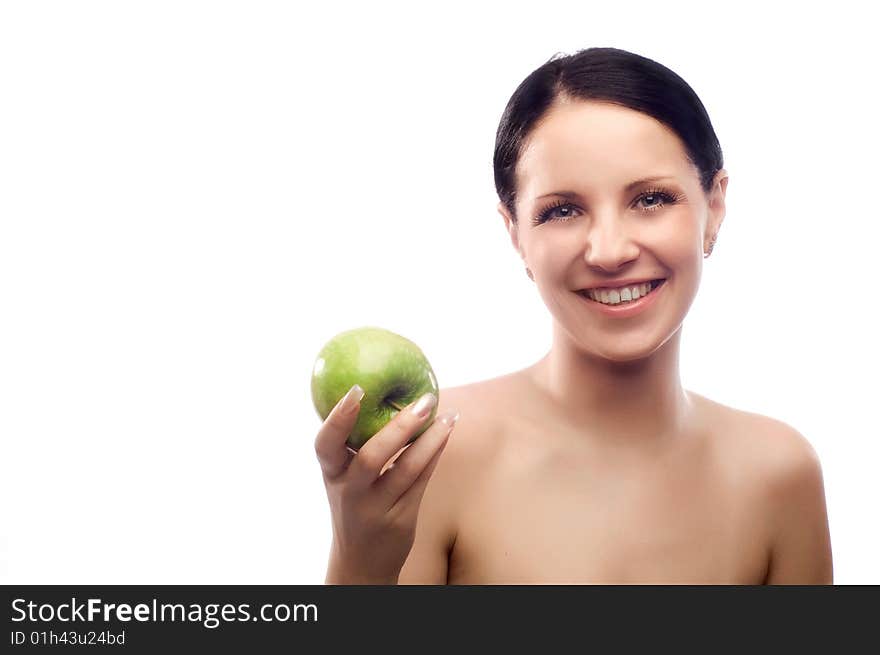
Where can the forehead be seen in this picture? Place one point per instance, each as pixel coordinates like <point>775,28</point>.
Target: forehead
<point>587,144</point>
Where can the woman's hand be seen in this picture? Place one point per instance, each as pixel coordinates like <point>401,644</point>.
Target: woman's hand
<point>374,508</point>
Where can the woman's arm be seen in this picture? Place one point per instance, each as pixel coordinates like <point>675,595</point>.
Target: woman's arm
<point>428,560</point>
<point>800,548</point>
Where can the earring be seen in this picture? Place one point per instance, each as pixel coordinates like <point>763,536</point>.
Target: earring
<point>529,273</point>
<point>711,246</point>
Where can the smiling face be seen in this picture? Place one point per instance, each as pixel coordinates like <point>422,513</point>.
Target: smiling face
<point>608,227</point>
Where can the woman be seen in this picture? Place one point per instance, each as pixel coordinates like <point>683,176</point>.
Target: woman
<point>593,465</point>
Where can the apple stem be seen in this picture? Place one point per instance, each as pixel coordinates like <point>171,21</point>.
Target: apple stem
<point>395,405</point>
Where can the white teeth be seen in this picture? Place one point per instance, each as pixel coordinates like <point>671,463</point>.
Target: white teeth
<point>623,294</point>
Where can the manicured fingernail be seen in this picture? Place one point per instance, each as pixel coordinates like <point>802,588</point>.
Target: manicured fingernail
<point>424,406</point>
<point>449,418</point>
<point>353,397</point>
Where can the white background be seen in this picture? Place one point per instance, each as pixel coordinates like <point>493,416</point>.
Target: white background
<point>195,196</point>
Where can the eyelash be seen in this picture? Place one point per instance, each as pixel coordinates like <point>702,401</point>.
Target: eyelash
<point>668,198</point>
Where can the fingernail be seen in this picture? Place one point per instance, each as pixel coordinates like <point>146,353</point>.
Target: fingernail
<point>449,418</point>
<point>424,405</point>
<point>353,397</point>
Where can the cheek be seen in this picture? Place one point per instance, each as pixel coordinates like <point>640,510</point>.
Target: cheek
<point>680,240</point>
<point>680,250</point>
<point>550,254</point>
<point>679,254</point>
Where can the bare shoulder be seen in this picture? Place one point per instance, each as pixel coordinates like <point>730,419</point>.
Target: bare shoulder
<point>476,430</point>
<point>791,478</point>
<point>475,446</point>
<point>474,441</point>
<point>458,469</point>
<point>776,453</point>
<point>777,468</point>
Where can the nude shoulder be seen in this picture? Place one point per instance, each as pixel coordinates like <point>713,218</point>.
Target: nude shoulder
<point>486,408</point>
<point>790,460</point>
<point>450,484</point>
<point>766,457</point>
<point>786,481</point>
<point>474,439</point>
<point>771,453</point>
<point>477,426</point>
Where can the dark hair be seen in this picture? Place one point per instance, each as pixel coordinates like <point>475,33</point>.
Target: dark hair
<point>610,75</point>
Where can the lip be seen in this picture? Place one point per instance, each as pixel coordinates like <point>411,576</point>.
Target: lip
<point>625,310</point>
<point>627,282</point>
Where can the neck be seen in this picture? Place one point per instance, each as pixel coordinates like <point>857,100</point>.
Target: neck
<point>637,402</point>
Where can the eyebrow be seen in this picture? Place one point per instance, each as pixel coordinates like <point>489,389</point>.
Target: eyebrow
<point>628,187</point>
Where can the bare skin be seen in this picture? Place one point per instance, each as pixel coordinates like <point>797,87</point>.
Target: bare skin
<point>595,465</point>
<point>520,498</point>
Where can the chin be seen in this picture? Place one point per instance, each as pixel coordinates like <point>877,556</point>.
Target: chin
<point>622,349</point>
<point>624,357</point>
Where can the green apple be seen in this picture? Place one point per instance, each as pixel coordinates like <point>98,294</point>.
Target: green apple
<point>392,371</point>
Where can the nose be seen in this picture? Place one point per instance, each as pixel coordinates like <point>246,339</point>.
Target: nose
<point>608,243</point>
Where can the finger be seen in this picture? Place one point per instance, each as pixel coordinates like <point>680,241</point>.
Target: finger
<point>375,453</point>
<point>390,464</point>
<point>330,447</point>
<point>410,501</point>
<point>415,465</point>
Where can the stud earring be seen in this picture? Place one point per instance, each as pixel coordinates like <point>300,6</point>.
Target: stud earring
<point>529,273</point>
<point>711,246</point>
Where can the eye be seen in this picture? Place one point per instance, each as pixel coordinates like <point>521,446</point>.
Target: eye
<point>655,198</point>
<point>548,213</point>
<point>658,195</point>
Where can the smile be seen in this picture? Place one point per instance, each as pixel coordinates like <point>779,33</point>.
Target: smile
<point>611,303</point>
<point>623,294</point>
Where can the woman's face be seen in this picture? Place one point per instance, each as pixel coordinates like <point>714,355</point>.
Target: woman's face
<point>607,230</point>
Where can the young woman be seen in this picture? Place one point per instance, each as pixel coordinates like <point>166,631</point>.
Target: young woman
<point>594,464</point>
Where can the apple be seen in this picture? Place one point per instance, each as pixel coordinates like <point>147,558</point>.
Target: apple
<point>392,371</point>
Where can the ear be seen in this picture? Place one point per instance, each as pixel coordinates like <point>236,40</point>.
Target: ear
<point>717,207</point>
<point>512,228</point>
